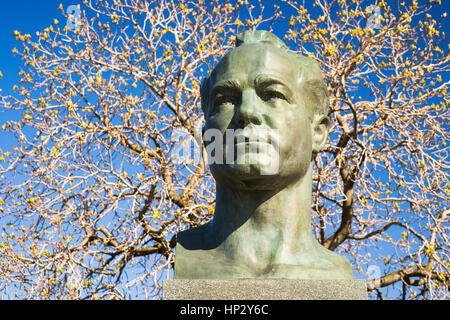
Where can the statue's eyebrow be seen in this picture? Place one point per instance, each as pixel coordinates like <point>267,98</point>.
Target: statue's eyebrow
<point>265,80</point>
<point>228,86</point>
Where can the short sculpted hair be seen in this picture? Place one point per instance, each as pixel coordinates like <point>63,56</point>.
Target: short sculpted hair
<point>312,87</point>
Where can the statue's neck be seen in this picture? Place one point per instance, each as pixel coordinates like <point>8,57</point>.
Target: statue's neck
<point>274,219</point>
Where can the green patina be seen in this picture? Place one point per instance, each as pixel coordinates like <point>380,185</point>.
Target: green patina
<point>262,222</point>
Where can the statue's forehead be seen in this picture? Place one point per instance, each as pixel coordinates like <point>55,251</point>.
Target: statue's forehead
<point>246,62</point>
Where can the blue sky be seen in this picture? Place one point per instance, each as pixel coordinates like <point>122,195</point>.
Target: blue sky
<point>26,16</point>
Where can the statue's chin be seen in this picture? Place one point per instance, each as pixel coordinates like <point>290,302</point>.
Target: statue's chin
<point>248,176</point>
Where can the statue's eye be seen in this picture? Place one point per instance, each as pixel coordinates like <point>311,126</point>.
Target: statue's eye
<point>223,99</point>
<point>268,95</point>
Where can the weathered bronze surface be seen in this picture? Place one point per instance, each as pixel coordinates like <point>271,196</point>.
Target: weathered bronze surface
<point>262,222</point>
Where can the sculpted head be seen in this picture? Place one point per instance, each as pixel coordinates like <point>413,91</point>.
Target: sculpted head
<point>267,93</point>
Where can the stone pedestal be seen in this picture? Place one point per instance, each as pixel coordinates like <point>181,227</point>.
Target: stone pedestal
<point>271,289</point>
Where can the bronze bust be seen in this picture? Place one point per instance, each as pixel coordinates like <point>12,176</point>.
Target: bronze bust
<point>262,222</point>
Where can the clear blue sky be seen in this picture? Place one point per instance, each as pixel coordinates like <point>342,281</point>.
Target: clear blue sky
<point>26,16</point>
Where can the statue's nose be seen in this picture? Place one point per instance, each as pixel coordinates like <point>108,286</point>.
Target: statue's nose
<point>249,109</point>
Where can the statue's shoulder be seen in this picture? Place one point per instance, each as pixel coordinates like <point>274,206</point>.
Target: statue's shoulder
<point>196,257</point>
<point>342,266</point>
<point>194,238</point>
<point>346,267</point>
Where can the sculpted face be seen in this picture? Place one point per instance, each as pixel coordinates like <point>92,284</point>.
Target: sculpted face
<point>255,88</point>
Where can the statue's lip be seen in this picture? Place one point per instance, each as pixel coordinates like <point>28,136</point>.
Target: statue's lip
<point>252,142</point>
<point>256,139</point>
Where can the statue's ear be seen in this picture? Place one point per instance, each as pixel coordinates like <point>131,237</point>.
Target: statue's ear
<point>320,127</point>
<point>203,134</point>
<point>204,93</point>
